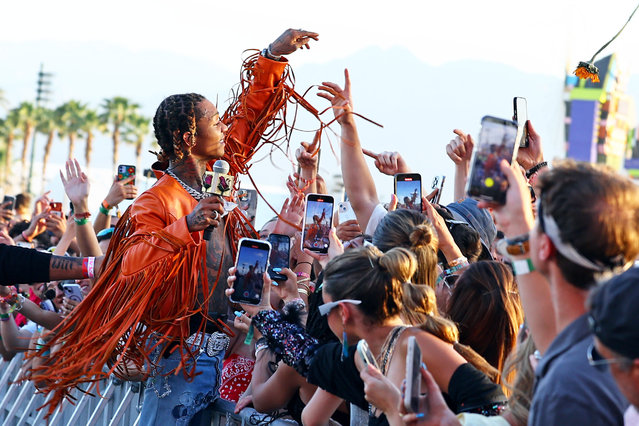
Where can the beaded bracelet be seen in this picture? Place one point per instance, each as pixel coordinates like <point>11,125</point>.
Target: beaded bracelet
<point>534,169</point>
<point>4,317</point>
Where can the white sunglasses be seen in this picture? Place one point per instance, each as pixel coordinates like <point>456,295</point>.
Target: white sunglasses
<point>328,307</point>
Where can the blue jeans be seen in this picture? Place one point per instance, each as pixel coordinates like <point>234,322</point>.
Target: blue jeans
<point>171,399</point>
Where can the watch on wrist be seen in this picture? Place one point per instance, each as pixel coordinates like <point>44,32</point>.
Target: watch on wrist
<point>514,246</point>
<point>534,169</point>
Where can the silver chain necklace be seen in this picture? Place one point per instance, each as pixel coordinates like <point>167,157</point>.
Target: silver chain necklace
<point>193,192</point>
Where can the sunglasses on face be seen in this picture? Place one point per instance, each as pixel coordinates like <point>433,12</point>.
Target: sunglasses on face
<point>326,308</point>
<point>599,361</point>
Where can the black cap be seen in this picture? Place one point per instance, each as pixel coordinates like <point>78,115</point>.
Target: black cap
<point>613,313</point>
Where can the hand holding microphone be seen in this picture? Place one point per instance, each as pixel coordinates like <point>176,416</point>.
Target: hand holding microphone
<point>220,183</point>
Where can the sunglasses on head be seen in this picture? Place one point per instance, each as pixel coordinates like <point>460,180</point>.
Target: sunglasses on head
<point>326,308</point>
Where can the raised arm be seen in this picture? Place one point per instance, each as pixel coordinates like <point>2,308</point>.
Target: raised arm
<point>262,96</point>
<point>117,193</point>
<point>460,150</point>
<point>76,186</point>
<point>515,219</point>
<point>358,181</point>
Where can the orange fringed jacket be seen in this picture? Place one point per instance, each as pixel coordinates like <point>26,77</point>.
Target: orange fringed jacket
<point>155,268</point>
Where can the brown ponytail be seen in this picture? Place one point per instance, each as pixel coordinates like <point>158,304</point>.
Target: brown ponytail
<point>420,310</point>
<point>371,276</point>
<point>411,230</point>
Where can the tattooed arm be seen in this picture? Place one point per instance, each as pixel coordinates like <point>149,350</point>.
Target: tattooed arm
<point>69,268</point>
<point>21,265</point>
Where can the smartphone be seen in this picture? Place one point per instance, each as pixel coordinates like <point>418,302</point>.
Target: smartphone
<point>126,171</point>
<point>520,116</point>
<point>365,354</point>
<point>497,141</point>
<point>56,208</point>
<point>438,183</point>
<point>318,219</point>
<point>9,199</point>
<point>247,202</point>
<point>251,263</point>
<point>280,254</point>
<point>413,376</point>
<point>73,292</point>
<point>345,212</point>
<point>408,189</point>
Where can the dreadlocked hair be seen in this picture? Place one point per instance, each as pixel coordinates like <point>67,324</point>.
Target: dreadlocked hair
<point>176,115</point>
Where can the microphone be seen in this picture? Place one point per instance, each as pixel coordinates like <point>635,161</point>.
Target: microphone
<point>218,182</point>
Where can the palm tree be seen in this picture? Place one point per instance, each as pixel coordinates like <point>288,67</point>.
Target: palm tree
<point>28,120</point>
<point>90,124</point>
<point>70,116</point>
<point>11,129</point>
<point>116,112</point>
<point>137,129</point>
<point>48,124</point>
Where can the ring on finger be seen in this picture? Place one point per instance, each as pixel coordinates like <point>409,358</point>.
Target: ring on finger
<point>216,215</point>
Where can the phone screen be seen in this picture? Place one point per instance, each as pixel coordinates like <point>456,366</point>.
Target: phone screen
<point>413,376</point>
<point>252,261</point>
<point>279,258</point>
<point>520,116</point>
<point>317,222</point>
<point>496,142</point>
<point>408,189</point>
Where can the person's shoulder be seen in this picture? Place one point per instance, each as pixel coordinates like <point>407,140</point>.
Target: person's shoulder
<point>572,390</point>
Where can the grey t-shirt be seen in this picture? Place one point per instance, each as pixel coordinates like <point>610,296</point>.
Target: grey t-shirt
<point>568,390</point>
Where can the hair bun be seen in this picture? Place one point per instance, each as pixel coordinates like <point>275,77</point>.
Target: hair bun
<point>422,235</point>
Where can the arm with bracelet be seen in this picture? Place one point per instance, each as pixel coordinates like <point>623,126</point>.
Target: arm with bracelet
<point>22,265</point>
<point>14,339</point>
<point>76,186</point>
<point>516,221</point>
<point>119,191</point>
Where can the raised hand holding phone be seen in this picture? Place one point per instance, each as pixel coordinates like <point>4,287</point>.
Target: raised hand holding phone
<point>497,141</point>
<point>318,219</point>
<point>280,256</point>
<point>408,188</point>
<point>251,269</point>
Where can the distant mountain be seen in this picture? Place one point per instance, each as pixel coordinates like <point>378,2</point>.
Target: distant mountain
<point>418,104</point>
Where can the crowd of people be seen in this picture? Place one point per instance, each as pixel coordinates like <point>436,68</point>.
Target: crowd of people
<point>523,311</point>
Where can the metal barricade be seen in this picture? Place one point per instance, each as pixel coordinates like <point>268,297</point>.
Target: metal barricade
<point>118,403</point>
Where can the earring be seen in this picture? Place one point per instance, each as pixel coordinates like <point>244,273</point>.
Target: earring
<point>344,346</point>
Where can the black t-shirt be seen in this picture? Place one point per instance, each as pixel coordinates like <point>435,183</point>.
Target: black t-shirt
<point>20,265</point>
